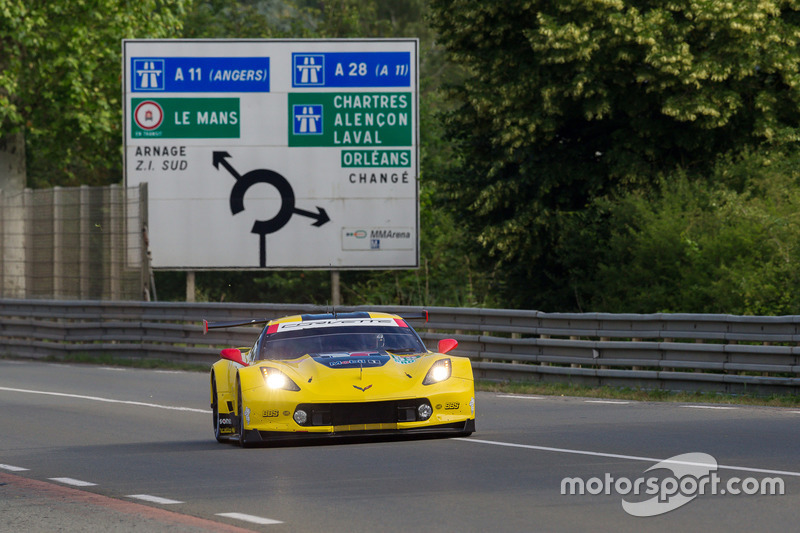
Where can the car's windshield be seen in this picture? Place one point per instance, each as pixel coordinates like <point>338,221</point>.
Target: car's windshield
<point>293,344</point>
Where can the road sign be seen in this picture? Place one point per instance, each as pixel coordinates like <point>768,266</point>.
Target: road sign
<point>275,154</point>
<point>185,118</point>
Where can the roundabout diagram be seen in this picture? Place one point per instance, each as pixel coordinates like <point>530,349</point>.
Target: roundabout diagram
<point>264,227</point>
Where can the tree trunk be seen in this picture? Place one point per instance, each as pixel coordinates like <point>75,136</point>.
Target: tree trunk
<point>12,163</point>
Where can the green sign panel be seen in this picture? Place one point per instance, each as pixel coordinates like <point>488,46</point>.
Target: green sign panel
<point>376,158</point>
<point>350,119</point>
<point>185,118</point>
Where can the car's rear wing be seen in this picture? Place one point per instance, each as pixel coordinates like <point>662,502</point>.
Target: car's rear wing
<point>413,315</point>
<point>216,325</point>
<point>406,315</point>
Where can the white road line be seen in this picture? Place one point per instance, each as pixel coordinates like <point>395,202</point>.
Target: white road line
<point>613,402</point>
<point>11,468</point>
<point>619,456</point>
<point>154,499</point>
<point>520,397</point>
<point>709,407</point>
<point>73,482</point>
<point>107,400</point>
<point>250,518</point>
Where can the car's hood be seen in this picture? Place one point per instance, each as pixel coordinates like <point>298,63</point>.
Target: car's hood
<point>366,375</point>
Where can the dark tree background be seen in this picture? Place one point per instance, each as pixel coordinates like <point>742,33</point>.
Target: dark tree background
<point>623,156</point>
<point>568,107</point>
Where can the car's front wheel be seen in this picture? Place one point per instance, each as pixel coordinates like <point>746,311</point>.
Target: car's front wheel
<point>215,409</point>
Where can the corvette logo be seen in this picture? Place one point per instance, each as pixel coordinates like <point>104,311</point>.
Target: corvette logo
<point>362,389</point>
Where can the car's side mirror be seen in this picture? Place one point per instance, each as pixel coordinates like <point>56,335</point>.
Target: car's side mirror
<point>445,345</point>
<point>233,354</point>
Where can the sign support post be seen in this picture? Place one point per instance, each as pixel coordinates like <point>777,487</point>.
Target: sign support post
<point>336,294</point>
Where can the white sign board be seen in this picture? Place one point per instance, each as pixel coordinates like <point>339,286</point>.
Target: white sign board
<point>276,154</point>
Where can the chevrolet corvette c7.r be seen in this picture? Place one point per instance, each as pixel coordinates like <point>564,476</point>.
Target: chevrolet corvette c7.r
<point>324,375</point>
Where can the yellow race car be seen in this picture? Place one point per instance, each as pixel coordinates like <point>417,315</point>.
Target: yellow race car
<point>339,374</point>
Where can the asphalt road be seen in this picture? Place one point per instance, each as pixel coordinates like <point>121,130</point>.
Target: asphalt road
<point>143,440</point>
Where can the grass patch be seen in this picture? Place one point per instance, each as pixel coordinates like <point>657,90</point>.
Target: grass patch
<point>110,360</point>
<point>639,395</point>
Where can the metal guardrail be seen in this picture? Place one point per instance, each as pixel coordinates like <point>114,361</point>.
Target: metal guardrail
<point>722,353</point>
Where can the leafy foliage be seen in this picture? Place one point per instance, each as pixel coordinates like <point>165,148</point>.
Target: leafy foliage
<point>565,102</point>
<point>604,155</point>
<point>59,81</point>
<point>731,245</point>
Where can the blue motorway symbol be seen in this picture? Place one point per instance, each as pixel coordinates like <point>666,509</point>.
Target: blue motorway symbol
<point>307,119</point>
<point>148,75</point>
<point>201,74</point>
<point>309,70</point>
<point>351,69</point>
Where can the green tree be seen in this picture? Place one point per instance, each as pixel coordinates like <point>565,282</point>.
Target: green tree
<point>244,19</point>
<point>365,18</point>
<point>565,102</point>
<point>60,81</point>
<point>728,246</point>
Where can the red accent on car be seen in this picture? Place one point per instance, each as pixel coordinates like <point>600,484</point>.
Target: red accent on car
<point>401,323</point>
<point>445,345</point>
<point>272,329</point>
<point>233,354</point>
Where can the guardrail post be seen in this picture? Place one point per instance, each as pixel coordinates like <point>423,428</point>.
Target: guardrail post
<point>636,368</point>
<point>544,363</point>
<point>513,336</point>
<point>668,339</point>
<point>604,339</point>
<point>574,365</point>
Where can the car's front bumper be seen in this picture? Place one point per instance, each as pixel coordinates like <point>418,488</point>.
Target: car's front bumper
<point>273,415</point>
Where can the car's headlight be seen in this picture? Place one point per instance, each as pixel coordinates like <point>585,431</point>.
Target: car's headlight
<point>275,379</point>
<point>440,371</point>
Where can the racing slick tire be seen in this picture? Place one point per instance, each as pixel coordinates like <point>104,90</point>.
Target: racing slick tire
<point>215,410</point>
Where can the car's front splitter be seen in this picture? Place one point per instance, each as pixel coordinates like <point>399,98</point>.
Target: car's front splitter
<point>463,428</point>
